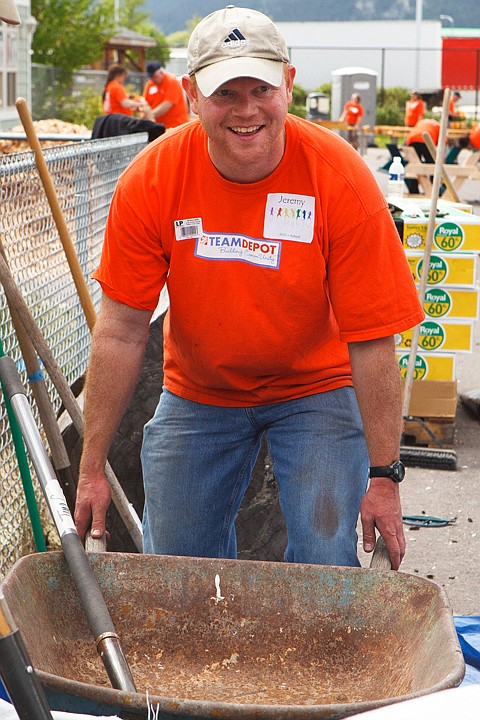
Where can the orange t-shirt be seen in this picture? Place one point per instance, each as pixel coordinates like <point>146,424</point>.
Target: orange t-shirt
<point>353,112</point>
<point>432,127</point>
<point>267,281</point>
<point>171,90</point>
<point>415,111</point>
<point>474,136</point>
<point>114,94</point>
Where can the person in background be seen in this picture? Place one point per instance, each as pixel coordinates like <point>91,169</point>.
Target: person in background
<point>453,112</point>
<point>472,140</point>
<point>115,98</point>
<point>165,96</point>
<point>415,109</point>
<point>287,284</point>
<point>352,114</point>
<point>415,139</point>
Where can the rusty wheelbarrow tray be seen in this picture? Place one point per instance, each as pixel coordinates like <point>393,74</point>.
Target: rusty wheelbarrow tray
<point>261,640</point>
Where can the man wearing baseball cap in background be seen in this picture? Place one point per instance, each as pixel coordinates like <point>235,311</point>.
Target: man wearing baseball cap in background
<point>165,96</point>
<point>9,12</point>
<point>287,283</point>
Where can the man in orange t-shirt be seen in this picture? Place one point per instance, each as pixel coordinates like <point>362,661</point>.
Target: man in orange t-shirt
<point>352,114</point>
<point>415,139</point>
<point>472,140</point>
<point>287,284</point>
<point>165,96</point>
<point>415,110</point>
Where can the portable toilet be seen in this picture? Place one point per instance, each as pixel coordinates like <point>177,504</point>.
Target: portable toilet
<point>318,106</point>
<point>359,80</point>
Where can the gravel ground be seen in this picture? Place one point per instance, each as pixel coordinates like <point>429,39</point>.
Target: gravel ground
<point>448,555</point>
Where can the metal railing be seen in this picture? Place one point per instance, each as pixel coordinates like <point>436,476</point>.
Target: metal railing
<point>84,175</point>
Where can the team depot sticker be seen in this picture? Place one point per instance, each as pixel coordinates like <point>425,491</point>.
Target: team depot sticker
<point>289,217</point>
<point>265,253</point>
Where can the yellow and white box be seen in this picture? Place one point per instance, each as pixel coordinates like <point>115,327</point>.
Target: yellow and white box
<point>450,302</point>
<point>455,269</point>
<point>456,228</point>
<point>439,336</point>
<point>428,366</point>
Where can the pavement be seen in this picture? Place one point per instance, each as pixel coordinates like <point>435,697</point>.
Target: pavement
<point>447,555</point>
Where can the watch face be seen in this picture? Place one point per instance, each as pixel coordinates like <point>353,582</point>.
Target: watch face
<point>398,470</point>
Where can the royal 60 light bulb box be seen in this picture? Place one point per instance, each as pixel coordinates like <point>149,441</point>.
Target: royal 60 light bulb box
<point>454,269</point>
<point>453,303</point>
<point>428,366</point>
<point>439,336</point>
<point>455,229</point>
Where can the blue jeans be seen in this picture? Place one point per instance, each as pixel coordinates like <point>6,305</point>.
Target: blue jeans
<point>197,461</point>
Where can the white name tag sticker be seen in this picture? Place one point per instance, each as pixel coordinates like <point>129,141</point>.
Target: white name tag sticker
<point>186,229</point>
<point>289,217</point>
<point>255,251</point>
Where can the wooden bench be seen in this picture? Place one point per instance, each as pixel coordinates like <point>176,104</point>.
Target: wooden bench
<point>468,169</point>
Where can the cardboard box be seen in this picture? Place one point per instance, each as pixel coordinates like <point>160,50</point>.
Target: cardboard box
<point>459,303</point>
<point>429,366</point>
<point>454,269</point>
<point>439,336</point>
<point>434,398</point>
<point>456,230</point>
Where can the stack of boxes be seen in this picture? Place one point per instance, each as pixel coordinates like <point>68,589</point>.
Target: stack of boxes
<point>450,303</point>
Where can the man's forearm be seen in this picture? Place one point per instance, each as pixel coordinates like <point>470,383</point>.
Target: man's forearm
<point>115,364</point>
<point>377,383</point>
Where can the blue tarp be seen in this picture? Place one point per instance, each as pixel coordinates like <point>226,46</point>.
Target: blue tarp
<point>468,631</point>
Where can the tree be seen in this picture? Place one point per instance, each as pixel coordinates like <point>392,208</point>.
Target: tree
<point>71,33</point>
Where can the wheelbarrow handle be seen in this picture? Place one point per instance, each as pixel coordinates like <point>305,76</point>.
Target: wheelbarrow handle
<point>380,558</point>
<point>101,624</point>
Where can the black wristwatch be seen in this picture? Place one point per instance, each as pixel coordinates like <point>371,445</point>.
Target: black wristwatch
<point>395,471</point>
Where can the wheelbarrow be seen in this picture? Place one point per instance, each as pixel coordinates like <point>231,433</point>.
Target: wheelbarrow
<point>215,638</point>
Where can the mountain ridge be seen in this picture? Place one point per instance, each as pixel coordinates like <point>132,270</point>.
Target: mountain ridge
<point>173,16</point>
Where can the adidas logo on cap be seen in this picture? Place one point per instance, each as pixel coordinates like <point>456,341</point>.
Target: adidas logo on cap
<point>235,39</point>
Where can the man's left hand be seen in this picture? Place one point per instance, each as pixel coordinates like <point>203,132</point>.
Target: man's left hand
<point>381,509</point>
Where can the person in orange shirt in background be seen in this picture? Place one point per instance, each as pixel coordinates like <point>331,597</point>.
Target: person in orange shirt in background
<point>165,96</point>
<point>415,109</point>
<point>115,98</point>
<point>352,114</point>
<point>453,112</point>
<point>415,139</point>
<point>472,140</point>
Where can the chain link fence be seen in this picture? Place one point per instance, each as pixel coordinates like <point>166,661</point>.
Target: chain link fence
<point>84,175</point>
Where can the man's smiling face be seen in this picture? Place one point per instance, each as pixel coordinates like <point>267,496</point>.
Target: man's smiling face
<point>245,123</point>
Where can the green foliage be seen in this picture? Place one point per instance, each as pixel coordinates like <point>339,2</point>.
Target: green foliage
<point>299,110</point>
<point>325,88</point>
<point>82,108</point>
<point>178,39</point>
<point>391,105</point>
<point>298,106</point>
<point>299,95</point>
<point>71,33</point>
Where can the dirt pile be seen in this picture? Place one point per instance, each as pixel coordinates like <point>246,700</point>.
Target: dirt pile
<point>51,126</point>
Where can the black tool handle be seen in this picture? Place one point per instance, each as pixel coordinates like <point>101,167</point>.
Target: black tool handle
<point>19,678</point>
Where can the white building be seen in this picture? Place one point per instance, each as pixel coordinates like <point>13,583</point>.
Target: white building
<point>402,53</point>
<point>15,64</point>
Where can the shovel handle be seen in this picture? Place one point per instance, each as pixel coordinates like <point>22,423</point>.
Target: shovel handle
<point>101,624</point>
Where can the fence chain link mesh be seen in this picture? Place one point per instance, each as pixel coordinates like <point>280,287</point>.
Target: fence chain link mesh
<point>84,175</point>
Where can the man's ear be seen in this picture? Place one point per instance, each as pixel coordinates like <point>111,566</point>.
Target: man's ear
<point>290,77</point>
<point>191,90</point>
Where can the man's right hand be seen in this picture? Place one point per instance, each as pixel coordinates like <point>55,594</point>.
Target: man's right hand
<point>93,499</point>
